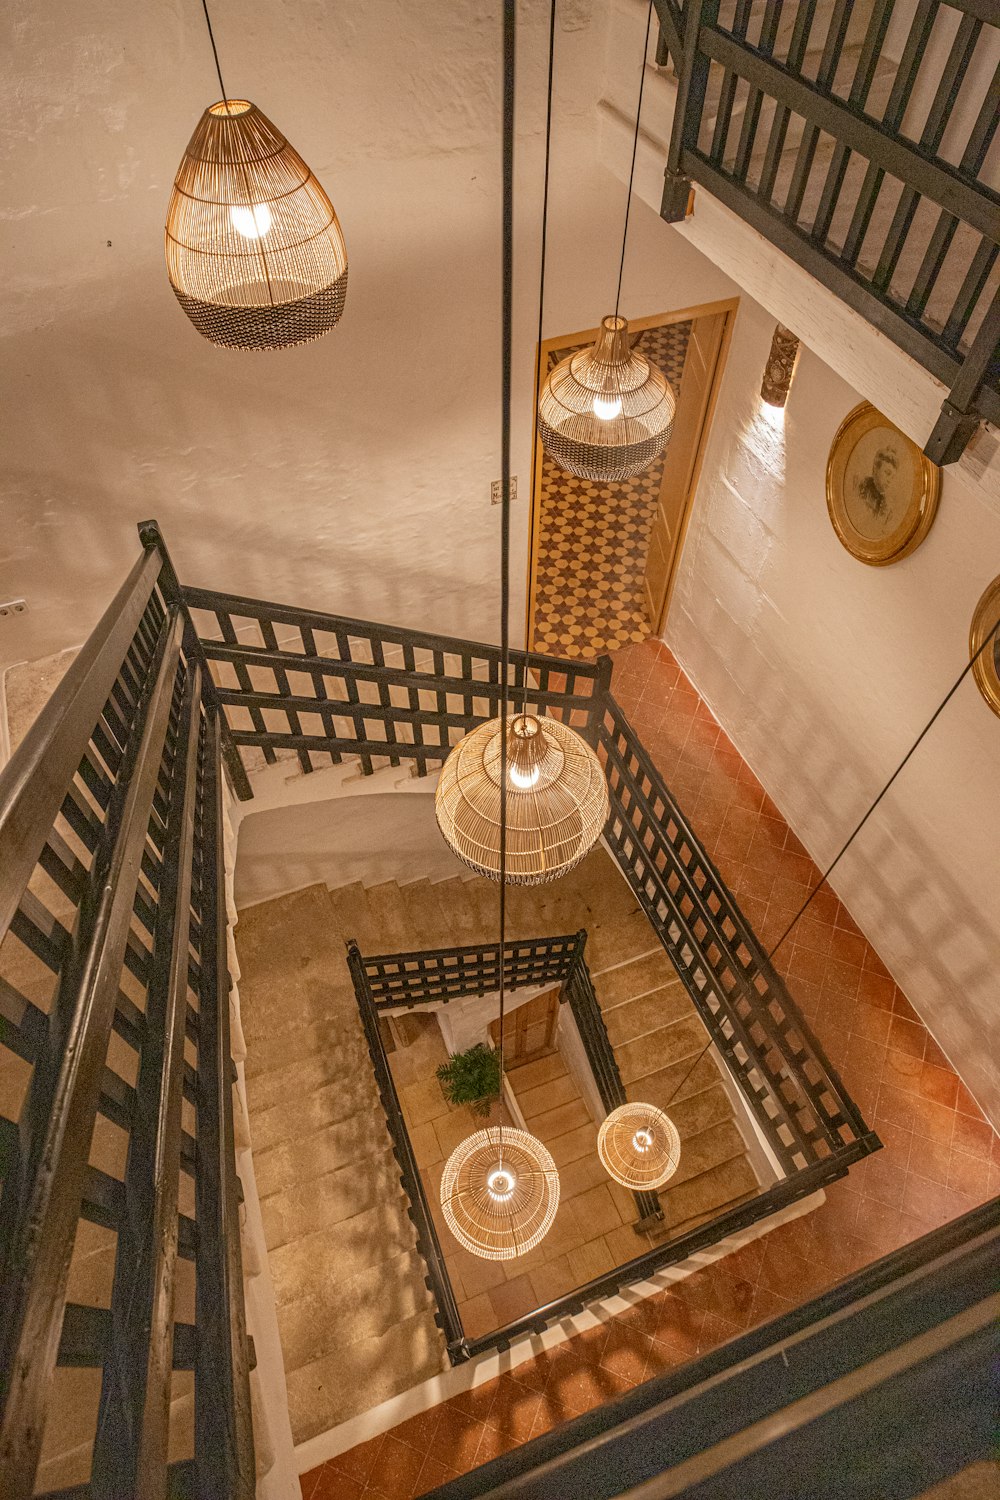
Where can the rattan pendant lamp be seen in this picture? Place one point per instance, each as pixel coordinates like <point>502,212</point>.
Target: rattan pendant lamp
<point>522,798</point>
<point>606,413</point>
<point>255,252</point>
<point>500,1187</point>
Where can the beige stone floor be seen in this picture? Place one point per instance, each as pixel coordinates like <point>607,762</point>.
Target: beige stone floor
<point>590,1234</point>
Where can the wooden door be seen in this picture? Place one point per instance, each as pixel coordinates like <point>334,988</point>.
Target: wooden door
<point>529,1031</point>
<point>680,468</point>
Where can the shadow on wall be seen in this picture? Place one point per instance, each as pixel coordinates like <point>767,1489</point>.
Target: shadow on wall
<point>370,838</point>
<point>942,952</point>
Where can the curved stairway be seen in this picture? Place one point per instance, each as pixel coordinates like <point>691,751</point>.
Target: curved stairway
<point>356,1320</point>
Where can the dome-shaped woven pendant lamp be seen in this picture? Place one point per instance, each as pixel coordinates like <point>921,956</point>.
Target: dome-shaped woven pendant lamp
<point>500,1192</point>
<point>557,799</point>
<point>639,1146</point>
<point>255,252</point>
<point>606,413</point>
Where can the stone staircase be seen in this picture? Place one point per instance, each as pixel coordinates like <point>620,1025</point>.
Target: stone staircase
<point>356,1320</point>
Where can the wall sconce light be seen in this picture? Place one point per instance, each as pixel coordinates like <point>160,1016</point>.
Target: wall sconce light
<point>780,368</point>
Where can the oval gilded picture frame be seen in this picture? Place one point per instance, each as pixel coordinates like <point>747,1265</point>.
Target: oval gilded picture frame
<point>984,622</point>
<point>881,491</point>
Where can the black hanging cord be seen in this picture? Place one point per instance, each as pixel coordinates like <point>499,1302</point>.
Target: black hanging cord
<point>215,52</point>
<point>507,309</point>
<point>541,303</point>
<point>635,146</point>
<point>849,841</point>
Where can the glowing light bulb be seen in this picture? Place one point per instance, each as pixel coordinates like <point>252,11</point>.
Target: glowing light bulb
<point>251,223</point>
<point>500,1184</point>
<point>524,779</point>
<point>607,408</point>
<point>643,1140</point>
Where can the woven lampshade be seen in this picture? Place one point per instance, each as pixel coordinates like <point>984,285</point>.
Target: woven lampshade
<point>606,413</point>
<point>639,1146</point>
<point>557,799</point>
<point>499,1192</point>
<point>255,252</point>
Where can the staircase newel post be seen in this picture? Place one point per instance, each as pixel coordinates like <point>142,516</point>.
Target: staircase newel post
<point>151,538</point>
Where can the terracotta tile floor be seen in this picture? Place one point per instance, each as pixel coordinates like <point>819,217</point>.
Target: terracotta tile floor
<point>941,1157</point>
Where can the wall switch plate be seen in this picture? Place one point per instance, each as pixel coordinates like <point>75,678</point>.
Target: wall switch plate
<point>495,490</point>
<point>14,607</point>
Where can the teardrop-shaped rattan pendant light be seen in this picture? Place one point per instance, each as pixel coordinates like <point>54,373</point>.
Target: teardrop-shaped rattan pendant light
<point>255,252</point>
<point>500,1192</point>
<point>605,413</point>
<point>639,1146</point>
<point>557,799</point>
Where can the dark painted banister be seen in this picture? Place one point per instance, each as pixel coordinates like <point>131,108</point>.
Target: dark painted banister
<point>50,751</point>
<point>42,1194</point>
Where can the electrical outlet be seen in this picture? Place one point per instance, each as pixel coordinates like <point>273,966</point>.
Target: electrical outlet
<point>495,490</point>
<point>14,607</point>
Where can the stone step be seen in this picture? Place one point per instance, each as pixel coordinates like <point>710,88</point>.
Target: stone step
<point>651,971</point>
<point>426,917</point>
<point>353,916</point>
<point>708,1149</point>
<point>692,1113</point>
<point>297,1044</point>
<point>616,940</point>
<point>659,1050</point>
<point>670,1087</point>
<point>344,1143</point>
<point>336,1055</point>
<point>341,1306</point>
<point>363,1374</point>
<point>302,1267</point>
<point>340,1194</point>
<point>648,1013</point>
<point>560,1089</point>
<point>391,929</point>
<point>707,1193</point>
<point>296,1118</point>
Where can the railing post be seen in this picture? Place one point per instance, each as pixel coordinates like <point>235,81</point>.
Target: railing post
<point>152,539</point>
<point>959,415</point>
<point>44,1190</point>
<point>586,1011</point>
<point>224,1454</point>
<point>449,1318</point>
<point>601,694</point>
<point>692,82</point>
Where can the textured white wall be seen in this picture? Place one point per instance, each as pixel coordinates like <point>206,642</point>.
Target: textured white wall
<point>351,474</point>
<point>824,671</point>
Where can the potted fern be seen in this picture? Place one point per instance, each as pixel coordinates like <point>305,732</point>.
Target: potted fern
<point>472,1078</point>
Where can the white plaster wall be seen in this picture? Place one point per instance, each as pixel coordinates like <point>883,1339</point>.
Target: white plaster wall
<point>351,474</point>
<point>824,671</point>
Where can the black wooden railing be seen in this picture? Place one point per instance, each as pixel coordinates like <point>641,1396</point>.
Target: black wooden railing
<point>114,1008</point>
<point>882,1386</point>
<point>791,1087</point>
<point>388,982</point>
<point>875,174</point>
<point>330,686</point>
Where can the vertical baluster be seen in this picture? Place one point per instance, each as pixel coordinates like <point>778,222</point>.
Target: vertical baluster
<point>727,91</point>
<point>864,75</point>
<point>281,679</point>
<point>413,698</point>
<point>246,684</point>
<point>385,698</point>
<point>319,688</point>
<point>959,58</point>
<point>755,97</point>
<point>836,32</point>
<point>353,698</point>
<point>975,280</point>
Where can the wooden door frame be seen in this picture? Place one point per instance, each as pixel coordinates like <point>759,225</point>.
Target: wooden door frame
<point>727,306</point>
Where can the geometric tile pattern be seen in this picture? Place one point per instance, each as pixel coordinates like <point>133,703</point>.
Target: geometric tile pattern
<point>592,539</point>
<point>941,1156</point>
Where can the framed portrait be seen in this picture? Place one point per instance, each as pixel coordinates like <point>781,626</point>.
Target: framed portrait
<point>881,492</point>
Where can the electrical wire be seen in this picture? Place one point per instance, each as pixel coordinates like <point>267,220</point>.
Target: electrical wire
<point>507,307</point>
<point>215,54</point>
<point>849,841</point>
<point>635,146</point>
<point>536,444</point>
